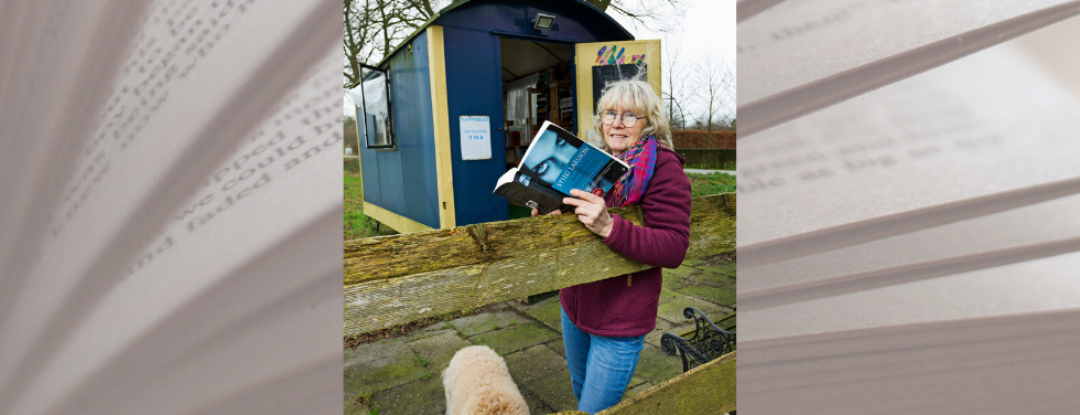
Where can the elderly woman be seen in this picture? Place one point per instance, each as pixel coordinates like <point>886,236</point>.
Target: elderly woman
<point>605,322</point>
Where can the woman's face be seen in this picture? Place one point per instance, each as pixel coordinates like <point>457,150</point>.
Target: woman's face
<point>618,136</point>
<point>555,155</point>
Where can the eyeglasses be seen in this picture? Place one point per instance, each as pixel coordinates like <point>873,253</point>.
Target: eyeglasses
<point>628,118</point>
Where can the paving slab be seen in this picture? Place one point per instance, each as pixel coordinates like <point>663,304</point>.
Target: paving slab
<point>353,408</point>
<point>439,349</point>
<point>634,381</point>
<point>517,337</point>
<point>548,312</point>
<point>485,322</point>
<point>683,271</point>
<point>663,326</point>
<point>672,310</point>
<point>558,347</point>
<point>693,262</point>
<point>657,367</point>
<point>536,405</point>
<point>535,363</point>
<point>556,391</point>
<point>426,332</point>
<point>637,389</point>
<point>713,295</point>
<point>498,306</point>
<point>370,352</point>
<point>713,277</point>
<point>366,377</point>
<point>423,397</point>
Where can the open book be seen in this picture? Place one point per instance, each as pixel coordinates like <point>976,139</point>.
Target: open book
<point>910,247</point>
<point>556,163</point>
<point>170,207</point>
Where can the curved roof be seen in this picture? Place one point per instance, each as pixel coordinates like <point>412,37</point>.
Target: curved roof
<point>576,21</point>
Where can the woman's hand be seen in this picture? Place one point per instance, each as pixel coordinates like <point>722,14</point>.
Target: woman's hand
<point>591,211</point>
<point>554,212</point>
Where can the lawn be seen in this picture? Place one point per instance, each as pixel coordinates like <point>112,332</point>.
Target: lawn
<point>357,224</point>
<point>711,184</point>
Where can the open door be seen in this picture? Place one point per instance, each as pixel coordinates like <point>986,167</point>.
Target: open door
<point>599,63</point>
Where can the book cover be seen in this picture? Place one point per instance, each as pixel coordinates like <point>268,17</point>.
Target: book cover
<point>558,162</point>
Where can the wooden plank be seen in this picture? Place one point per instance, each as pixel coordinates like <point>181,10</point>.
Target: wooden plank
<point>706,389</point>
<point>397,279</point>
<point>444,171</point>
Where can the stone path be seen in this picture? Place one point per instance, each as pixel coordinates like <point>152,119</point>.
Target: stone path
<point>401,375</point>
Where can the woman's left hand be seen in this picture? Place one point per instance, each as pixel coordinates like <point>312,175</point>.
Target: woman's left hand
<point>591,211</point>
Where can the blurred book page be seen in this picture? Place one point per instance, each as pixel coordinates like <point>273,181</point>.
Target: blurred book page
<point>804,56</point>
<point>895,259</point>
<point>942,137</point>
<point>1046,284</point>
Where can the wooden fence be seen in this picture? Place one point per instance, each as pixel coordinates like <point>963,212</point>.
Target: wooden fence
<point>391,280</point>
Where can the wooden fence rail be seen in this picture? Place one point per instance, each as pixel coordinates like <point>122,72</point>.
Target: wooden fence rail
<point>396,279</point>
<point>401,278</point>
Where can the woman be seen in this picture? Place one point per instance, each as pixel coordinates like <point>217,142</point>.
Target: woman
<point>605,322</point>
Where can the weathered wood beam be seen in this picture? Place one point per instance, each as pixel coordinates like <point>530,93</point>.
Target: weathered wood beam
<point>397,279</point>
<point>706,389</point>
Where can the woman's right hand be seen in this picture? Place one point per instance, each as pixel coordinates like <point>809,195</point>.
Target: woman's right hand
<point>536,212</point>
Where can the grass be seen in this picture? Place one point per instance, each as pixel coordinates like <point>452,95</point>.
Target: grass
<point>710,184</point>
<point>357,224</point>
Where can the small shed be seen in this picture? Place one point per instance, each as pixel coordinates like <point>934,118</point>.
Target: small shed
<point>454,106</point>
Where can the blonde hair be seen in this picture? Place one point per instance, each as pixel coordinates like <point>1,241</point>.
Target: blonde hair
<point>638,95</point>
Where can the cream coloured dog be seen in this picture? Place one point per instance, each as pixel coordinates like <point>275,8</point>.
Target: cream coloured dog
<point>478,383</point>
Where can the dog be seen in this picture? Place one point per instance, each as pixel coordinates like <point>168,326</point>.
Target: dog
<point>478,383</point>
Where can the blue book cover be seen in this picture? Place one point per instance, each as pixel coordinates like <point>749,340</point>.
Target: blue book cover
<point>563,162</point>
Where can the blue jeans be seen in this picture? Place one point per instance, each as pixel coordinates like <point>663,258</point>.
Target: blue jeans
<point>600,367</point>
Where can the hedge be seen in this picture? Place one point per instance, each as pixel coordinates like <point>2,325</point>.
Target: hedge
<point>708,159</point>
<point>700,139</point>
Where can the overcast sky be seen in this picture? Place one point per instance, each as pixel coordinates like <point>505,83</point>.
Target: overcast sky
<point>707,28</point>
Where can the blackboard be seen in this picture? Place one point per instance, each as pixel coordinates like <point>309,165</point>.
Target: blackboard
<point>602,75</point>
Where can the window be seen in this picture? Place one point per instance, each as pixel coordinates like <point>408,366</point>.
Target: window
<point>373,118</point>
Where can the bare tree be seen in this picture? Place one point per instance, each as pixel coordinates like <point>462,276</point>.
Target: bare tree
<point>716,86</point>
<point>680,89</point>
<point>373,28</point>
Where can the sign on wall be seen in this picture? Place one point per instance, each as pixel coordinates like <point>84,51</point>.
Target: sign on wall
<point>475,137</point>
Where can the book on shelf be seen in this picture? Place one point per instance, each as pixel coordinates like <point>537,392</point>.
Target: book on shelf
<point>555,163</point>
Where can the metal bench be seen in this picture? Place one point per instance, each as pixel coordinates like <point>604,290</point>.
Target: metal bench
<point>706,342</point>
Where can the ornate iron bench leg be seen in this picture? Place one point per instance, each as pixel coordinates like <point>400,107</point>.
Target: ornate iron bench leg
<point>707,343</point>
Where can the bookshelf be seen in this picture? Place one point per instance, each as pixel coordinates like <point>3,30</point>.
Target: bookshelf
<point>552,100</point>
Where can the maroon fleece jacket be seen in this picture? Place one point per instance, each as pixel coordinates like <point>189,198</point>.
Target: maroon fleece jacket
<point>626,305</point>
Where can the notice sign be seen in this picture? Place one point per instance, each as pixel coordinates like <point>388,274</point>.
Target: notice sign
<point>475,137</point>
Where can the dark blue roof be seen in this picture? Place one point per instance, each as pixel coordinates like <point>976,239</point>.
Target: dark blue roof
<point>576,21</point>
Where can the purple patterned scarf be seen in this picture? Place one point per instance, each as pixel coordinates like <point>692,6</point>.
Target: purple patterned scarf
<point>642,158</point>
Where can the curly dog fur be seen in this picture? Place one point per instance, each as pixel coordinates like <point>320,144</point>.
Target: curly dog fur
<point>478,383</point>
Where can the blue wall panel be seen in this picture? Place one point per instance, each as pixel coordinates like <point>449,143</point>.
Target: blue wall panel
<point>473,87</point>
<point>411,95</point>
<point>403,180</point>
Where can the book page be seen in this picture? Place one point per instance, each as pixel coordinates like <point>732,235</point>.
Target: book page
<point>289,164</point>
<point>1046,284</point>
<point>1054,220</point>
<point>916,146</point>
<point>200,82</point>
<point>803,56</point>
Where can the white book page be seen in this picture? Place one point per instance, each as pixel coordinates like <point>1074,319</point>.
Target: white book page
<point>1041,285</point>
<point>170,123</point>
<point>806,55</point>
<point>1054,220</point>
<point>279,180</point>
<point>931,140</point>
